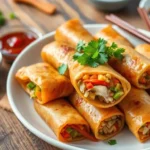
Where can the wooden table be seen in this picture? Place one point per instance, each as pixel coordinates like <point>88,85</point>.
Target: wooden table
<point>13,135</point>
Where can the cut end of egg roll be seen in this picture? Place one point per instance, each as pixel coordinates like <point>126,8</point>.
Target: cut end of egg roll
<point>136,107</point>
<point>105,123</point>
<point>109,33</point>
<point>71,32</point>
<point>43,83</point>
<point>101,86</point>
<point>67,124</point>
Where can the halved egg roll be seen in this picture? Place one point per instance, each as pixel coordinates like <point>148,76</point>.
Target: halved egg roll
<point>143,49</point>
<point>43,82</point>
<point>67,124</point>
<point>71,32</point>
<point>136,107</point>
<point>105,123</point>
<point>109,33</point>
<point>134,67</point>
<point>101,86</point>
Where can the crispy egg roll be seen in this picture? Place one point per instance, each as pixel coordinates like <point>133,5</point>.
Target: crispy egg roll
<point>136,107</point>
<point>143,49</point>
<point>43,83</point>
<point>71,32</point>
<point>101,86</point>
<point>105,123</point>
<point>57,54</point>
<point>108,33</point>
<point>134,67</point>
<point>67,124</point>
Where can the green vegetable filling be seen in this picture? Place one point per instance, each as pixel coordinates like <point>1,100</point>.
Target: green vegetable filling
<point>118,94</point>
<point>73,132</point>
<point>31,85</point>
<point>33,88</point>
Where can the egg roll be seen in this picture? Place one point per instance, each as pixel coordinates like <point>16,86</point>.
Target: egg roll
<point>71,32</point>
<point>109,33</point>
<point>144,49</point>
<point>105,123</point>
<point>134,66</point>
<point>67,124</point>
<point>101,86</point>
<point>43,83</point>
<point>136,107</point>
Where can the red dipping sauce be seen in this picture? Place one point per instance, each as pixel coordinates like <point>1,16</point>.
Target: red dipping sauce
<point>13,43</point>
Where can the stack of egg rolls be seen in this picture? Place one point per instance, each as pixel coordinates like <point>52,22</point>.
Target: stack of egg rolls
<point>92,107</point>
<point>77,72</point>
<point>57,53</point>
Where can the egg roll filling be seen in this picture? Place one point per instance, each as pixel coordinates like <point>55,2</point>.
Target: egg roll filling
<point>145,79</point>
<point>102,87</point>
<point>144,131</point>
<point>34,90</point>
<point>72,132</point>
<point>110,125</point>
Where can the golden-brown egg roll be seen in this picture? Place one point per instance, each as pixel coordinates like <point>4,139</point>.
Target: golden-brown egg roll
<point>134,67</point>
<point>143,49</point>
<point>101,86</point>
<point>71,32</point>
<point>67,124</point>
<point>108,33</point>
<point>43,82</point>
<point>136,107</point>
<point>105,123</point>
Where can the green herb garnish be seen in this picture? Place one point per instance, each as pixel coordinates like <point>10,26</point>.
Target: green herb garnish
<point>62,69</point>
<point>112,142</point>
<point>12,16</point>
<point>97,52</point>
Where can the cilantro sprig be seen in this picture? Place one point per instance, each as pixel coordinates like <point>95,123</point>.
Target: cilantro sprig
<point>112,142</point>
<point>96,53</point>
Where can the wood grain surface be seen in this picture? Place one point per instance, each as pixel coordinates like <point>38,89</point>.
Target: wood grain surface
<point>13,135</point>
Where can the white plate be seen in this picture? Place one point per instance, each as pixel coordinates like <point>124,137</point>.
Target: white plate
<point>22,105</point>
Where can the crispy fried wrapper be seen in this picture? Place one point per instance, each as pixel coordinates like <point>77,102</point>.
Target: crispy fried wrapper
<point>99,119</point>
<point>43,82</point>
<point>136,107</point>
<point>59,115</point>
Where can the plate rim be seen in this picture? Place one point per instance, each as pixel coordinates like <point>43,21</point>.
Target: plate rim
<point>20,117</point>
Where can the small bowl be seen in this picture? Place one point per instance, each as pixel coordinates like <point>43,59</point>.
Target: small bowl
<point>145,4</point>
<point>9,58</point>
<point>109,5</point>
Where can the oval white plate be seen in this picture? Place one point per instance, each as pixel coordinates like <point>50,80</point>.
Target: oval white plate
<point>22,105</point>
